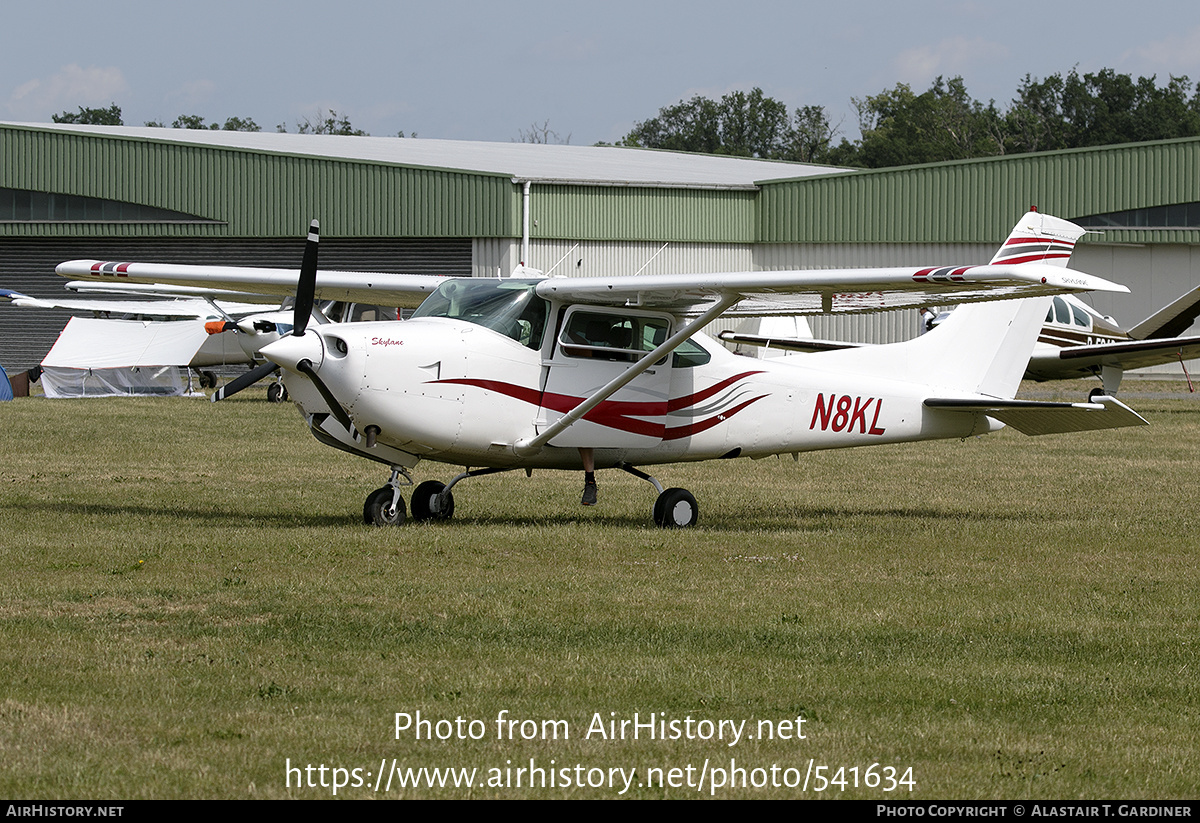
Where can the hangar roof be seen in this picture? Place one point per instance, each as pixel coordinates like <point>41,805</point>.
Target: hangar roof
<point>544,163</point>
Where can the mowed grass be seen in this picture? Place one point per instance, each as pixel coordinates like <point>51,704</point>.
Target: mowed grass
<point>191,603</point>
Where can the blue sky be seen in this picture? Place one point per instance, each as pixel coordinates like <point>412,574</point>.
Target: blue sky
<point>487,71</point>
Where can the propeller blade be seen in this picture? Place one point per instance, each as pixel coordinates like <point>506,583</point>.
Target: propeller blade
<point>307,286</point>
<point>248,379</point>
<point>305,367</point>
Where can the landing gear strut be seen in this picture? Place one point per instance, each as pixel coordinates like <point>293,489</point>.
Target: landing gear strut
<point>385,506</point>
<point>432,500</point>
<point>673,508</point>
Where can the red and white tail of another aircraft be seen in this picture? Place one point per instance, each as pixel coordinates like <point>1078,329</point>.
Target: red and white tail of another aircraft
<point>560,372</point>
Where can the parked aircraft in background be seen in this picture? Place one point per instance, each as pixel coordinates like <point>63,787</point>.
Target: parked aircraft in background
<point>550,373</point>
<point>211,350</point>
<point>238,324</point>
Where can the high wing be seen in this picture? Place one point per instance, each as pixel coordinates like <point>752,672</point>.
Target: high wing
<point>816,291</point>
<point>1080,361</point>
<point>224,296</point>
<point>824,291</point>
<point>400,290</point>
<point>195,309</point>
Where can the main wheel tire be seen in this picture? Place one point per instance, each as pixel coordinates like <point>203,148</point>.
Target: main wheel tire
<point>375,510</point>
<point>208,380</point>
<point>676,509</point>
<point>1094,393</point>
<point>426,500</point>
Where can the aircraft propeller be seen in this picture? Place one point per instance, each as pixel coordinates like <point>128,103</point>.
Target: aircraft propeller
<point>305,297</point>
<point>243,381</point>
<point>306,288</point>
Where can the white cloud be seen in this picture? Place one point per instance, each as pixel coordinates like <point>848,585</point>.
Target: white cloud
<point>191,95</point>
<point>1176,54</point>
<point>952,56</point>
<point>66,90</point>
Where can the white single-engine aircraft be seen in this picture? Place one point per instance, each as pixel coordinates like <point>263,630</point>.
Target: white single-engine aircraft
<point>537,373</point>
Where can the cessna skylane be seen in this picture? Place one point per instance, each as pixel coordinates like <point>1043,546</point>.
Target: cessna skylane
<point>553,372</point>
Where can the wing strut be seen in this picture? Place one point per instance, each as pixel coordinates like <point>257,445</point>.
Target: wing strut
<point>531,445</point>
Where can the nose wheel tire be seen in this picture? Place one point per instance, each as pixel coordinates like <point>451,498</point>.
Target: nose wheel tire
<point>430,501</point>
<point>676,509</point>
<point>375,510</point>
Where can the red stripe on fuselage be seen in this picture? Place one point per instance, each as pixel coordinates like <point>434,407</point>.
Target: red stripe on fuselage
<point>619,414</point>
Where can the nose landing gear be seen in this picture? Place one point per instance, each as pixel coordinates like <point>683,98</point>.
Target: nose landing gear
<point>385,506</point>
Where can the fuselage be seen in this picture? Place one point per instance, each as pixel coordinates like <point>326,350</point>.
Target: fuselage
<point>460,386</point>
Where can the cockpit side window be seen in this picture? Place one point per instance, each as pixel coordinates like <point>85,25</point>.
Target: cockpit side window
<point>1081,317</point>
<point>612,336</point>
<point>1062,312</point>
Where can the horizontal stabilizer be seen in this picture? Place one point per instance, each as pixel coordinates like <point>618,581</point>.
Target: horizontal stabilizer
<point>792,344</point>
<point>1034,417</point>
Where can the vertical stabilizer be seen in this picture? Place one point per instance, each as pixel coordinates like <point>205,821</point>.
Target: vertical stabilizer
<point>981,348</point>
<point>1040,238</point>
<point>988,345</point>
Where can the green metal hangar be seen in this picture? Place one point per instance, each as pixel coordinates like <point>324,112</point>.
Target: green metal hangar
<point>462,208</point>
<point>385,204</point>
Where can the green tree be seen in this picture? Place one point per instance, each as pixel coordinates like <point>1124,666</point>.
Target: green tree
<point>900,127</point>
<point>191,121</point>
<point>536,134</point>
<point>327,122</point>
<point>110,116</point>
<point>240,124</point>
<point>1073,111</point>
<point>810,139</point>
<point>195,121</point>
<point>744,124</point>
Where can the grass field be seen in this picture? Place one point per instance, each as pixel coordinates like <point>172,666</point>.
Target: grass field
<point>192,605</point>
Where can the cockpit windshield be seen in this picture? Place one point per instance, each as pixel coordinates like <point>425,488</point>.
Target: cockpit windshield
<point>507,306</point>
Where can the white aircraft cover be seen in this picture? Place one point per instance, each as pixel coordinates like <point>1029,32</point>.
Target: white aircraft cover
<point>88,343</point>
<point>105,358</point>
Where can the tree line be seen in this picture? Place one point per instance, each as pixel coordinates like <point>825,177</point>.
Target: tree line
<point>897,127</point>
<point>900,127</point>
<point>325,122</point>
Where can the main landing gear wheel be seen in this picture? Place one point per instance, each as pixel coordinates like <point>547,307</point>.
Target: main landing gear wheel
<point>1094,393</point>
<point>676,509</point>
<point>430,501</point>
<point>375,510</point>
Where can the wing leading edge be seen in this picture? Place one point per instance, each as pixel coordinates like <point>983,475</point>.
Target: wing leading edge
<point>379,288</point>
<point>825,291</point>
<point>816,291</point>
